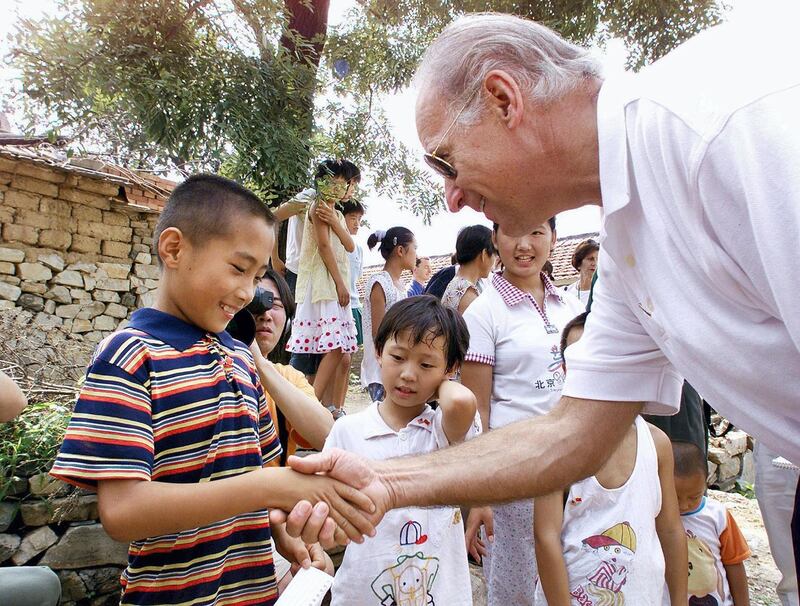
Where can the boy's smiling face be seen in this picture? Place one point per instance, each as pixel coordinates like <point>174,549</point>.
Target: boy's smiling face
<point>206,283</point>
<point>412,372</point>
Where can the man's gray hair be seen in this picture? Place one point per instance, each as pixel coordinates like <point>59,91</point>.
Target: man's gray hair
<point>545,66</point>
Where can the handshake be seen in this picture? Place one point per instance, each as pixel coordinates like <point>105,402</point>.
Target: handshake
<point>336,497</point>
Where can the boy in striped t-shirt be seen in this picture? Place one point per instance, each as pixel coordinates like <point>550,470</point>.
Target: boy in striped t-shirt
<point>172,428</point>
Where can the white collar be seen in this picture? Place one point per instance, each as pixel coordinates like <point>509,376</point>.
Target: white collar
<point>612,142</point>
<point>376,427</point>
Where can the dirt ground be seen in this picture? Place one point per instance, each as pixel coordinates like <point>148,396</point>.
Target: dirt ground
<point>762,574</point>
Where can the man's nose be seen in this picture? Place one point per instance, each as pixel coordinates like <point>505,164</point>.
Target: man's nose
<point>453,195</point>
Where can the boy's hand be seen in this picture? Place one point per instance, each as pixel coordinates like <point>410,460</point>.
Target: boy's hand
<point>350,508</point>
<point>479,516</point>
<point>343,294</point>
<point>459,406</point>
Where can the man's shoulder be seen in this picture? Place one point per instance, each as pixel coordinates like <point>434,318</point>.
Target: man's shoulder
<point>713,75</point>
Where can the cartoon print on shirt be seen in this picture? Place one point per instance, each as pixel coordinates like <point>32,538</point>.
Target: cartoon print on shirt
<point>704,579</point>
<point>612,552</point>
<point>411,534</point>
<point>407,583</point>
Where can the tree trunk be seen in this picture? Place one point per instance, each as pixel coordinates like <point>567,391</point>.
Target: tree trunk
<point>309,21</point>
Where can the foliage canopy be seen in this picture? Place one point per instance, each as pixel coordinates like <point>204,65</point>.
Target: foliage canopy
<point>240,87</point>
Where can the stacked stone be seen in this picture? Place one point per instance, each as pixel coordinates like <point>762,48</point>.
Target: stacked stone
<point>72,253</point>
<point>45,522</point>
<point>730,459</point>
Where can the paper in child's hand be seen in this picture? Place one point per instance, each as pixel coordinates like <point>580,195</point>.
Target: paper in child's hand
<point>308,588</point>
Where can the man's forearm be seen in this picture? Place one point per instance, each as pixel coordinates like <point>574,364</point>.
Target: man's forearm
<point>526,459</point>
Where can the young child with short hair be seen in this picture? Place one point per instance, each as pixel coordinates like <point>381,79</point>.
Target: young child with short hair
<point>418,555</point>
<point>171,426</point>
<point>614,537</point>
<point>717,548</point>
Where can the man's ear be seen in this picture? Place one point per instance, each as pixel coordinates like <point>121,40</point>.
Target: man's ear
<point>505,101</point>
<point>171,246</point>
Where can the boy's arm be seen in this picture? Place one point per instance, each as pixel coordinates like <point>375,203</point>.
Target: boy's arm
<point>734,551</point>
<point>289,209</point>
<point>136,509</point>
<point>477,377</point>
<point>323,236</point>
<point>547,524</point>
<point>668,523</point>
<point>737,582</point>
<point>328,215</point>
<point>12,400</point>
<point>458,406</point>
<point>307,415</point>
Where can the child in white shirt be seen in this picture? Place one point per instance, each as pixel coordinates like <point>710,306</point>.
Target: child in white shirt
<point>418,555</point>
<point>614,537</point>
<point>717,548</point>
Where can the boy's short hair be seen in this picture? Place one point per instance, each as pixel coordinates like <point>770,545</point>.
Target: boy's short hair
<point>420,260</point>
<point>425,318</point>
<point>337,168</point>
<point>578,321</point>
<point>204,207</point>
<point>689,459</point>
<point>353,206</point>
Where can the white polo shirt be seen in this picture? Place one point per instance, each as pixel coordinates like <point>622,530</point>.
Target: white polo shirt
<point>507,332</point>
<point>418,555</point>
<point>698,269</point>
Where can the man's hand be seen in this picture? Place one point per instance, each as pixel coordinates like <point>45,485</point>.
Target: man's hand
<point>312,523</point>
<point>350,508</point>
<point>479,516</point>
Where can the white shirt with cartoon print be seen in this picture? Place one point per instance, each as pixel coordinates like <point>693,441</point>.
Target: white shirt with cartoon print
<point>418,556</point>
<point>611,550</point>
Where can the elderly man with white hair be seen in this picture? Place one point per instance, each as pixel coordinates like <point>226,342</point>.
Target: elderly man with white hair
<point>696,163</point>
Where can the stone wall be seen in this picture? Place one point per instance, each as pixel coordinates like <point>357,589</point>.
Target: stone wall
<point>72,252</point>
<point>730,460</point>
<point>48,523</point>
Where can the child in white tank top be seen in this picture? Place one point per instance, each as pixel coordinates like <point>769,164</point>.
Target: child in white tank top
<point>613,538</point>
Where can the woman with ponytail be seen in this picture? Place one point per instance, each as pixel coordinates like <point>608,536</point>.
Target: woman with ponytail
<point>399,248</point>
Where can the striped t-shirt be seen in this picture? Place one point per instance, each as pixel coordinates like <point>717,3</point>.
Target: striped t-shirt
<point>166,401</point>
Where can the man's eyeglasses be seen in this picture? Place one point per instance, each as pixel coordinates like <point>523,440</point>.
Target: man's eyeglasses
<point>441,166</point>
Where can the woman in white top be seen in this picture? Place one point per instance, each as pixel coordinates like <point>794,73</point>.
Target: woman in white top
<point>513,367</point>
<point>584,259</point>
<point>384,289</point>
<point>475,255</point>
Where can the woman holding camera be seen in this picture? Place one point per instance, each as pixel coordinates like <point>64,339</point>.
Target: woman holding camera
<point>300,419</point>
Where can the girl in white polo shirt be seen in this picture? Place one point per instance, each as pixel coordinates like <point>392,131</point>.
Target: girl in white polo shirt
<point>514,368</point>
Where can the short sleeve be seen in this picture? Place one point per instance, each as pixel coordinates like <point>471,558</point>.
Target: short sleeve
<point>268,439</point>
<point>110,434</point>
<point>267,434</point>
<point>482,331</point>
<point>616,360</point>
<point>732,544</point>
